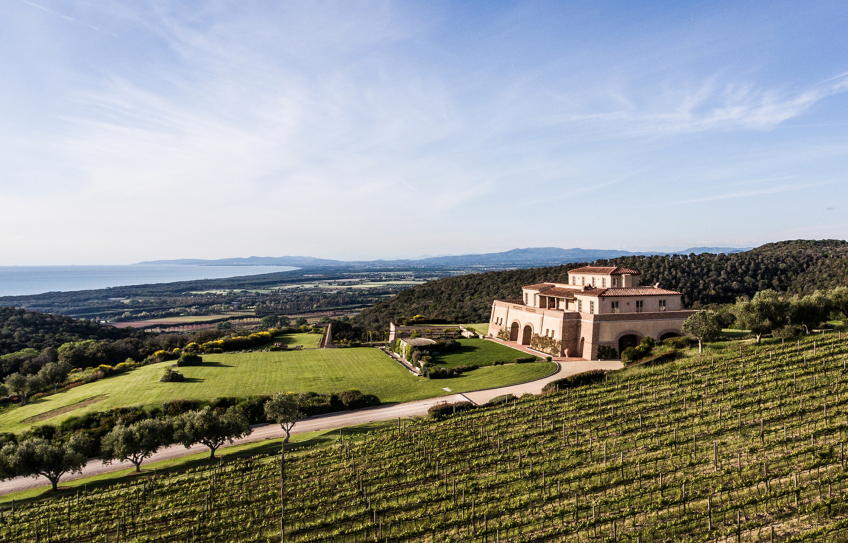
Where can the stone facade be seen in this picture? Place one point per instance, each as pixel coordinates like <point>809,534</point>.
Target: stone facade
<point>598,306</point>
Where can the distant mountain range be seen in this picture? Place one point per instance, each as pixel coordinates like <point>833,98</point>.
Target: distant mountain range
<point>516,258</point>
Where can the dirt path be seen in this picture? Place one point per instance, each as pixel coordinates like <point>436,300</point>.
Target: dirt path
<point>567,366</point>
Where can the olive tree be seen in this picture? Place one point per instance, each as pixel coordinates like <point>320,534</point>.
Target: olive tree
<point>765,312</point>
<point>37,456</point>
<point>284,409</point>
<point>703,326</point>
<point>211,428</point>
<point>54,373</point>
<point>136,442</point>
<point>809,311</point>
<point>23,386</point>
<point>839,300</point>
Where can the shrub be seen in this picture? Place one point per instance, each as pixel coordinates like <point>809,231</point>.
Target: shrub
<point>172,408</point>
<point>632,354</point>
<point>659,358</point>
<point>498,400</point>
<point>438,373</point>
<point>354,399</point>
<point>444,410</point>
<point>189,359</point>
<point>572,381</point>
<point>605,352</point>
<point>223,402</point>
<point>525,359</point>
<point>172,376</point>
<point>678,342</point>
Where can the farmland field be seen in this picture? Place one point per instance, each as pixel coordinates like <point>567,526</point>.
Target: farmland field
<point>727,447</point>
<point>477,352</point>
<point>245,374</point>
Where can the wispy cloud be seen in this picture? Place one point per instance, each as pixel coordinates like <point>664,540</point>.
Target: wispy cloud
<point>750,193</point>
<point>708,108</point>
<point>60,15</point>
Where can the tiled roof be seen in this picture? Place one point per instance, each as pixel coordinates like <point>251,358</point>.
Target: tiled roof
<point>634,291</point>
<point>610,270</point>
<point>559,292</point>
<point>539,286</point>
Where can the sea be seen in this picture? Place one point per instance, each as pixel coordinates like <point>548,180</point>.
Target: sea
<point>25,280</point>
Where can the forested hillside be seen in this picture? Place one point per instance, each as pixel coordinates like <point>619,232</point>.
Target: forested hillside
<point>788,266</point>
<point>21,329</point>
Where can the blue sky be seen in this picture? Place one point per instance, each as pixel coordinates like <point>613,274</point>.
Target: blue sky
<point>144,130</point>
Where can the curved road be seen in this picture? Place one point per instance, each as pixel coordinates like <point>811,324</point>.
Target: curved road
<point>333,421</point>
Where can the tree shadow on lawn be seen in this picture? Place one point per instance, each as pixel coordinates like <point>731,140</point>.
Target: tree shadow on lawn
<point>214,364</point>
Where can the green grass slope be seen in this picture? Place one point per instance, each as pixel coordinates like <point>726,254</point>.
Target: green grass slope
<point>245,374</point>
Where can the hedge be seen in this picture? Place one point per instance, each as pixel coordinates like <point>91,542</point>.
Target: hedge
<point>578,380</point>
<point>444,410</point>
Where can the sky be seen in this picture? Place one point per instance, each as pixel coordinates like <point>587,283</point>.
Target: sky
<point>135,131</point>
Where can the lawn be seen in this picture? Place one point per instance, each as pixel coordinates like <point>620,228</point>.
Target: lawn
<point>309,341</point>
<point>481,328</point>
<point>245,374</point>
<point>477,352</point>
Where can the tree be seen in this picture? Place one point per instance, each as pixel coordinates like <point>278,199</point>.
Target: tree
<point>35,457</point>
<point>767,311</point>
<point>269,321</point>
<point>839,300</point>
<point>703,326</point>
<point>284,409</point>
<point>211,428</point>
<point>809,311</point>
<point>54,373</point>
<point>23,386</point>
<point>135,442</point>
<point>300,321</point>
<point>283,321</point>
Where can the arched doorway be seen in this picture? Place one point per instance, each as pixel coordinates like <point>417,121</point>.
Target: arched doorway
<point>513,332</point>
<point>629,340</point>
<point>668,335</point>
<point>526,335</point>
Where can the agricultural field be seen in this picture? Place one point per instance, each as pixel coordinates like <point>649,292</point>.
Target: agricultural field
<point>722,447</point>
<point>477,352</point>
<point>252,373</point>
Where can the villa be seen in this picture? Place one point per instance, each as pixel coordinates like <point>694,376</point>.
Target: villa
<point>599,308</point>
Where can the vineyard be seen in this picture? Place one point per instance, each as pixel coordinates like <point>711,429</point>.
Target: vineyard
<point>741,444</point>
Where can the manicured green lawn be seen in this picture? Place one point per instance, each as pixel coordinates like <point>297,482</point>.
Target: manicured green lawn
<point>481,328</point>
<point>245,374</point>
<point>309,341</point>
<point>477,352</point>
